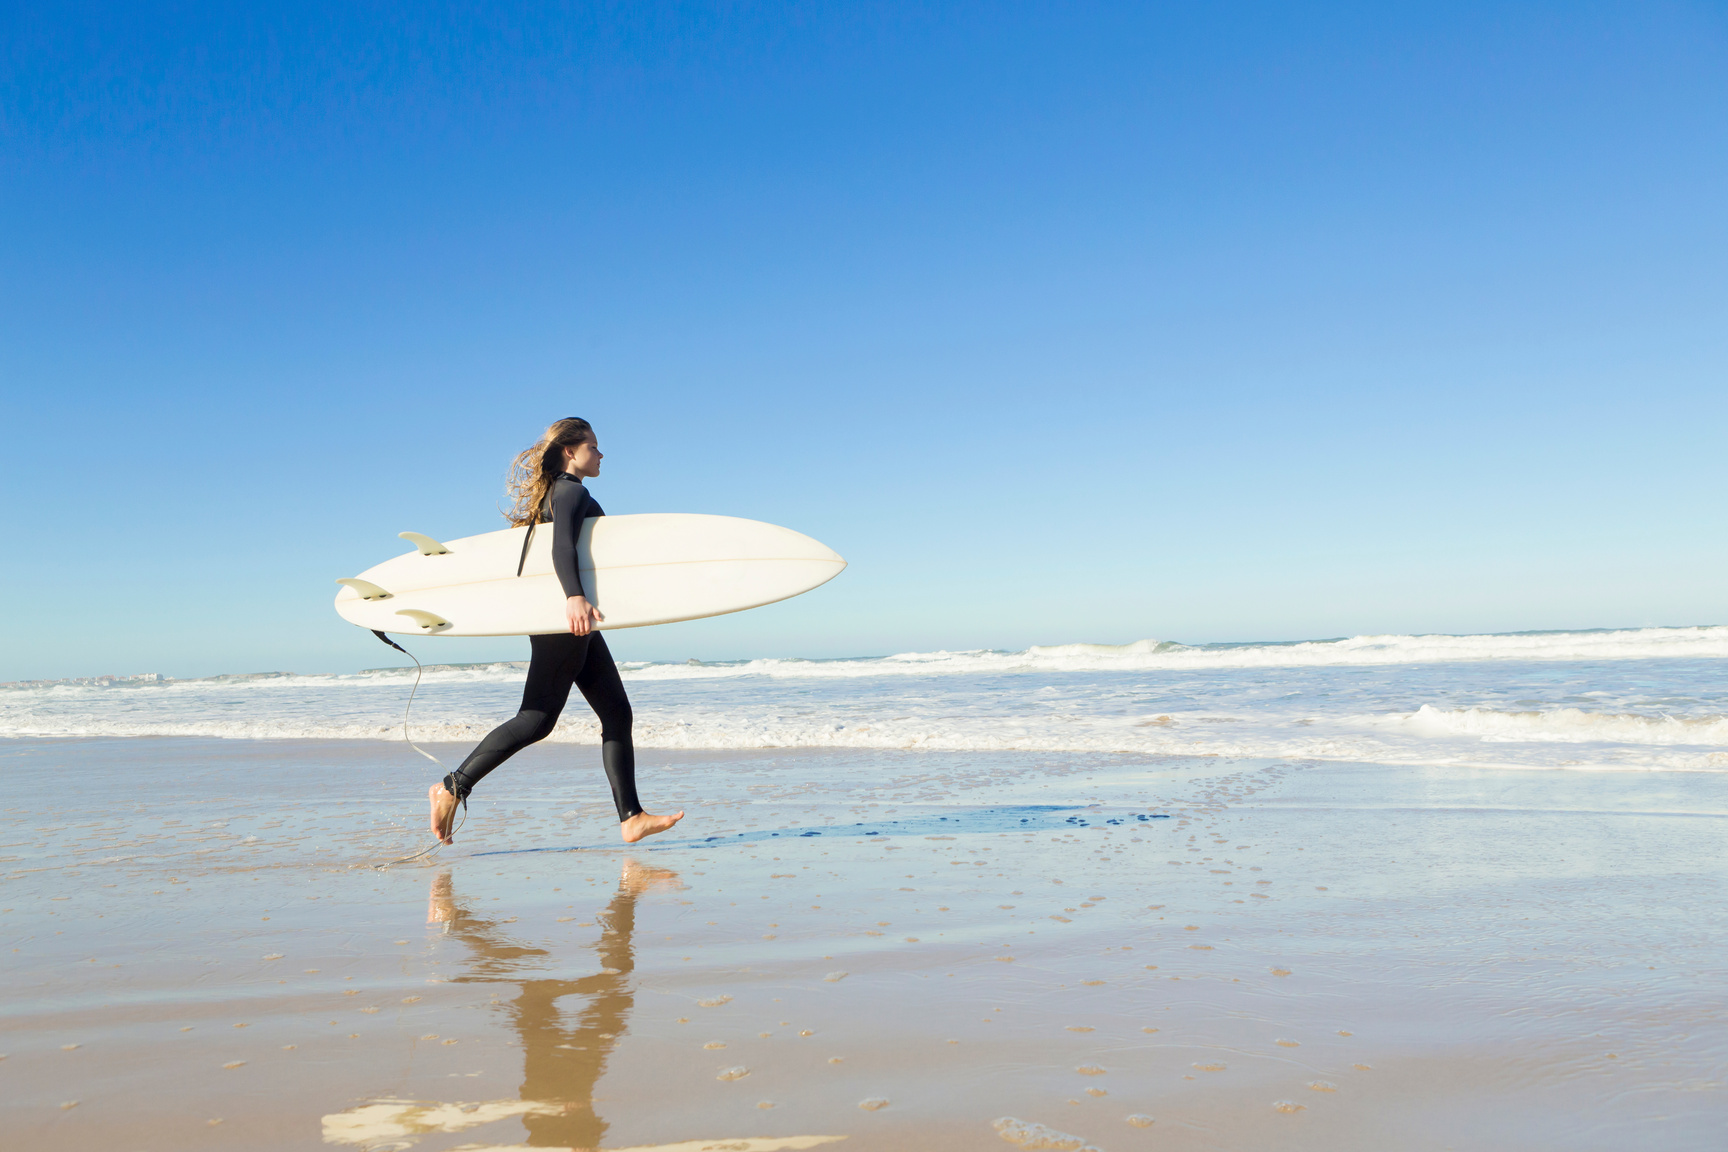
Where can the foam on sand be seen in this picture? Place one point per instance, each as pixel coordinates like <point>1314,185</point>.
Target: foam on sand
<point>1025,1134</point>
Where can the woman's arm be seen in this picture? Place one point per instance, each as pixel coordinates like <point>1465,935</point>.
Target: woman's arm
<point>569,503</point>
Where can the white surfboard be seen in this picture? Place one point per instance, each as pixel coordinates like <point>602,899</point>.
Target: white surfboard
<point>639,570</point>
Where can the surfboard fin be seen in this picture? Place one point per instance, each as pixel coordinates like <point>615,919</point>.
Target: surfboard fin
<point>367,589</point>
<point>430,621</point>
<point>427,545</point>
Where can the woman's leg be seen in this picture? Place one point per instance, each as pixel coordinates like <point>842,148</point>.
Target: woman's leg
<point>552,668</point>
<point>604,691</point>
<point>553,665</point>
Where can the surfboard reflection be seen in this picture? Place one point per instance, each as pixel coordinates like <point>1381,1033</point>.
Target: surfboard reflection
<point>563,1055</point>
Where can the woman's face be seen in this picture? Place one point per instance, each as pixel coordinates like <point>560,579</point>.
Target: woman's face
<point>584,459</point>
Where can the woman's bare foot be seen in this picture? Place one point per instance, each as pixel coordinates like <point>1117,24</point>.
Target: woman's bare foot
<point>644,824</point>
<point>444,812</point>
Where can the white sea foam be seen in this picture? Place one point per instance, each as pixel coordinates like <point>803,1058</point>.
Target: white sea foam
<point>1633,699</point>
<point>1567,726</point>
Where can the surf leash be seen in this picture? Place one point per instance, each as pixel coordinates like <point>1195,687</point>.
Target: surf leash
<point>407,712</point>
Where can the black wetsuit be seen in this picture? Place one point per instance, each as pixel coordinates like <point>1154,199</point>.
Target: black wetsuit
<point>559,661</point>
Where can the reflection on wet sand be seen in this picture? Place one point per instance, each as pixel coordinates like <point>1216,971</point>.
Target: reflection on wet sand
<point>561,1061</point>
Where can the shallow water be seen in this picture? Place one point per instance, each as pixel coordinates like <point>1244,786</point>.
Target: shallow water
<point>1302,955</point>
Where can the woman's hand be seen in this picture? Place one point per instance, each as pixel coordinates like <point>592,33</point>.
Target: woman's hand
<point>583,616</point>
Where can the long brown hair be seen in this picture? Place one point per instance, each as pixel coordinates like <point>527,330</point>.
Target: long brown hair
<point>532,472</point>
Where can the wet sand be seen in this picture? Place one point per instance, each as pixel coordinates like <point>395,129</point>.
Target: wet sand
<point>876,951</point>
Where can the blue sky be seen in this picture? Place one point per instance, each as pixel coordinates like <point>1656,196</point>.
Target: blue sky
<point>1060,321</point>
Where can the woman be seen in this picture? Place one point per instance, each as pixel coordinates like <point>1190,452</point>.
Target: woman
<point>546,483</point>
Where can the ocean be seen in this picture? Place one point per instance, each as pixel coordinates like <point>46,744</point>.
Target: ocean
<point>1626,700</point>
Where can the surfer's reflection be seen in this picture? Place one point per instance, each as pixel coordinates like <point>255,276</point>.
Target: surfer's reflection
<point>563,1056</point>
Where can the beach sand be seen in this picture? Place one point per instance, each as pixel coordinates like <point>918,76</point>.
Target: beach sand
<point>875,951</point>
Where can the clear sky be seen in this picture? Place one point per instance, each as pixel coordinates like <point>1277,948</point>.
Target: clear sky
<point>1061,321</point>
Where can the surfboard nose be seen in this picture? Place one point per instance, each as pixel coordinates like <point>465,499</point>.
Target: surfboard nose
<point>813,549</point>
<point>773,541</point>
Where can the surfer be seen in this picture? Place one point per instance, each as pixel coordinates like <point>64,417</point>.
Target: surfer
<point>546,485</point>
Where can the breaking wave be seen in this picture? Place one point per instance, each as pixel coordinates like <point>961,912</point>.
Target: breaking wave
<point>1165,655</point>
<point>1703,642</point>
<point>1632,699</point>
